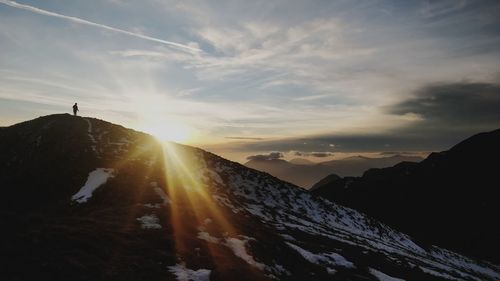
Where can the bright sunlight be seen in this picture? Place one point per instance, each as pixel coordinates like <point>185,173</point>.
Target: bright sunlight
<point>168,129</point>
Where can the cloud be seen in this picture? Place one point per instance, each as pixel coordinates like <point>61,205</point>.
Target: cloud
<point>358,142</point>
<point>436,117</point>
<point>270,54</point>
<point>313,154</point>
<point>244,138</point>
<point>263,157</point>
<point>190,47</point>
<point>431,9</point>
<point>314,97</point>
<point>446,106</point>
<point>392,153</point>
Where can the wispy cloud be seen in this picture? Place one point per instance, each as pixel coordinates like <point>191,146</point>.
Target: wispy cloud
<point>431,9</point>
<point>307,98</point>
<point>244,138</point>
<point>36,10</point>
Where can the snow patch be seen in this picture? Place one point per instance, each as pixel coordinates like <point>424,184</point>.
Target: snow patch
<point>185,274</point>
<point>91,137</point>
<point>203,235</point>
<point>149,222</point>
<point>238,247</point>
<point>162,195</point>
<point>310,257</point>
<point>95,179</point>
<point>322,259</point>
<point>160,192</point>
<point>224,201</point>
<point>331,271</point>
<point>438,274</point>
<point>278,269</point>
<point>340,260</point>
<point>288,237</point>
<point>382,276</point>
<point>235,244</point>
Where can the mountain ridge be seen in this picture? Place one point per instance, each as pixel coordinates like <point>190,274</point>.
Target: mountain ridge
<point>307,175</point>
<point>457,186</point>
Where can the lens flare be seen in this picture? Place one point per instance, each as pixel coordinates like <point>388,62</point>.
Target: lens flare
<point>167,130</point>
<point>184,175</point>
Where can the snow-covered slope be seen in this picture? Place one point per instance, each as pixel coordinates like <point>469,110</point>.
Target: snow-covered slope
<point>141,211</point>
<point>310,225</point>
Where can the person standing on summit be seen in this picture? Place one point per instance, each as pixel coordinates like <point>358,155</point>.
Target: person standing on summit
<point>75,108</point>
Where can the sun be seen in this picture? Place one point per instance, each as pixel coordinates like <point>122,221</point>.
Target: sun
<point>168,130</point>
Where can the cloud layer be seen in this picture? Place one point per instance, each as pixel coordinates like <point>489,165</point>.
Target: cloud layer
<point>264,157</point>
<point>313,154</point>
<point>441,115</point>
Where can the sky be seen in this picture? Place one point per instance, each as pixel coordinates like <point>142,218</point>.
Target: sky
<point>315,79</point>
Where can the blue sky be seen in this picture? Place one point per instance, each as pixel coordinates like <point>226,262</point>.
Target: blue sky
<point>243,77</point>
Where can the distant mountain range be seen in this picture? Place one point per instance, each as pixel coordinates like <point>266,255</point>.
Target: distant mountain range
<point>305,173</point>
<point>449,199</point>
<point>84,199</point>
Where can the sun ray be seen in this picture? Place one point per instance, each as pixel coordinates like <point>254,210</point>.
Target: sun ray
<point>189,192</point>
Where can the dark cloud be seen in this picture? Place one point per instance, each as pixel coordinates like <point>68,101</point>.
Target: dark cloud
<point>262,157</point>
<point>443,115</point>
<point>454,104</point>
<point>313,154</point>
<point>358,143</point>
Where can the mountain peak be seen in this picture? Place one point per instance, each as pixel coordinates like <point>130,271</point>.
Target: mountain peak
<point>301,161</point>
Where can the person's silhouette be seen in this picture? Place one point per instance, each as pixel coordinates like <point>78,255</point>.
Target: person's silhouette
<point>75,108</point>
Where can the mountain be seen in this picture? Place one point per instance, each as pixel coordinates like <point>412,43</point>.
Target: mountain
<point>305,173</point>
<point>84,199</point>
<point>301,161</point>
<point>325,181</point>
<point>357,165</point>
<point>449,199</point>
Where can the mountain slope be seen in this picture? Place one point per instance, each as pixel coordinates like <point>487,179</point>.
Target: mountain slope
<point>305,174</point>
<point>83,199</point>
<point>357,165</point>
<point>448,199</point>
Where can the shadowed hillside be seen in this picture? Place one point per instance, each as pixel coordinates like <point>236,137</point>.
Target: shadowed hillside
<point>448,199</point>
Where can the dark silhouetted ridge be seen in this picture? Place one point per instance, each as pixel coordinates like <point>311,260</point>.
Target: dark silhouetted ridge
<point>449,199</point>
